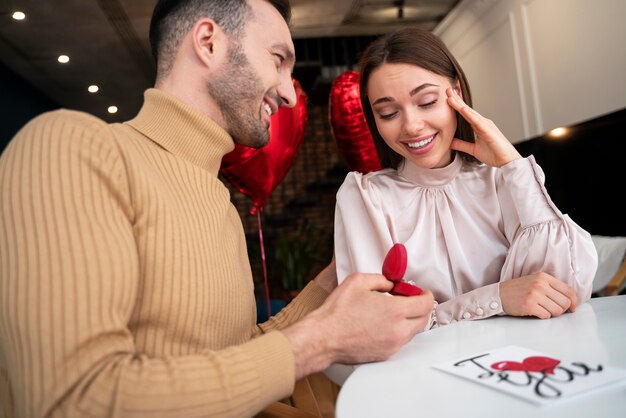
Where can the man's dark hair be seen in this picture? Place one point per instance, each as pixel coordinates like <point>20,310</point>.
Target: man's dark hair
<point>173,19</point>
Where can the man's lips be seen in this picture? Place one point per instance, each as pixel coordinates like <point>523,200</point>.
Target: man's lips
<point>270,105</point>
<point>267,108</point>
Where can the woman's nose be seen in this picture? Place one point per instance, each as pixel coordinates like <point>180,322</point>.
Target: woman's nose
<point>413,124</point>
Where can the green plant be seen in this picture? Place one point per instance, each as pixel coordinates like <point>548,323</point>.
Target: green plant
<point>296,257</point>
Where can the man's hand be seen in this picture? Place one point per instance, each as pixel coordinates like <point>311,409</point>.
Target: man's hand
<point>539,295</point>
<point>358,323</point>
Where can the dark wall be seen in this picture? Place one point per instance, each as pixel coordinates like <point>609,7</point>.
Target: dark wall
<point>19,102</point>
<point>586,172</point>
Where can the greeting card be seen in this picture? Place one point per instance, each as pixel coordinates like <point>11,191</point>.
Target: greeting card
<point>536,377</point>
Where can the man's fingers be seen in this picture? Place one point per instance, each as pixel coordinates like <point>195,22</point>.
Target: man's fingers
<point>415,307</point>
<point>370,281</point>
<point>416,325</point>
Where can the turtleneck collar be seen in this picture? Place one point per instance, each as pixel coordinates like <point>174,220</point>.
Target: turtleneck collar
<point>182,130</point>
<point>431,177</point>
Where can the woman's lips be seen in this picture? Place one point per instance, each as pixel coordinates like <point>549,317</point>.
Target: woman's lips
<point>422,145</point>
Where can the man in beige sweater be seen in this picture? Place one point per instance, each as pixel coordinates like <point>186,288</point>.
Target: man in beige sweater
<point>125,288</point>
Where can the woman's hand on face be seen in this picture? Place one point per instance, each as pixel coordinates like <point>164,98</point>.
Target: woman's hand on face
<point>490,146</point>
<point>539,294</point>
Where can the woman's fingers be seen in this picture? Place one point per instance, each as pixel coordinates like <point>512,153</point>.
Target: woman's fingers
<point>472,116</point>
<point>463,146</point>
<point>564,292</point>
<point>490,145</point>
<point>539,294</point>
<point>552,307</point>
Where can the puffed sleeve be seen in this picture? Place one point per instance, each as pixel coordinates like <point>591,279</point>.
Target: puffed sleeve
<point>542,238</point>
<point>361,233</point>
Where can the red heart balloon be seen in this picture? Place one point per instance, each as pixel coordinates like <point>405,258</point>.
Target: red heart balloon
<point>348,124</point>
<point>530,364</point>
<point>257,172</point>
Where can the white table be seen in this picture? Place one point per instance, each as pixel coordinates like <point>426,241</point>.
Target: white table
<point>407,386</point>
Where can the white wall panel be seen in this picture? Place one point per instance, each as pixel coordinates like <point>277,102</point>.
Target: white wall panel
<point>580,57</point>
<point>534,65</point>
<point>493,76</point>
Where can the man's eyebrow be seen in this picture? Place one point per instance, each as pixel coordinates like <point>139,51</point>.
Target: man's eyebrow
<point>411,93</point>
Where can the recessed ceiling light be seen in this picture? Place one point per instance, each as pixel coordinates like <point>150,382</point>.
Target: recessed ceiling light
<point>63,59</point>
<point>112,109</point>
<point>93,88</point>
<point>19,15</point>
<point>557,132</point>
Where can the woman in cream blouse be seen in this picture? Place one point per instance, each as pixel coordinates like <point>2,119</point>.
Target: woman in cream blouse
<point>480,229</point>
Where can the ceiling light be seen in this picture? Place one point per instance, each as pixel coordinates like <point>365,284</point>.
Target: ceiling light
<point>19,15</point>
<point>112,109</point>
<point>557,132</point>
<point>63,59</point>
<point>93,88</point>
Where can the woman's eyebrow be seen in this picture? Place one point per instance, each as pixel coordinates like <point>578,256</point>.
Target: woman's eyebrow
<point>412,93</point>
<point>422,87</point>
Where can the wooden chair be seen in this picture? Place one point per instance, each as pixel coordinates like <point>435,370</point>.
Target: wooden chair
<point>312,397</point>
<point>611,272</point>
<point>617,281</point>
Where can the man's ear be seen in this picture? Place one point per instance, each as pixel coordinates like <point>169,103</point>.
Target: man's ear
<point>205,37</point>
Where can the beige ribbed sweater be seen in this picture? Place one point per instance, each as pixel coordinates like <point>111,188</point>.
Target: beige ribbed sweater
<point>125,288</point>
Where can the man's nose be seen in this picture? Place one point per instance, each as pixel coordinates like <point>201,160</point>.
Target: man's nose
<point>287,91</point>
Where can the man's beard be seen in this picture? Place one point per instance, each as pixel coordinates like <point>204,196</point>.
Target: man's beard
<point>237,89</point>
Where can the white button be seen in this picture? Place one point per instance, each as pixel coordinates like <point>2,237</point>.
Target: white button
<point>493,305</point>
<point>466,315</point>
<point>479,311</point>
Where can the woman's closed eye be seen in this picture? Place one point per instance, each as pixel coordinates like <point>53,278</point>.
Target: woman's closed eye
<point>387,116</point>
<point>391,114</point>
<point>428,104</point>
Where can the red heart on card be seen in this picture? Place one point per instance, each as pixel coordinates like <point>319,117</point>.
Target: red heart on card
<point>530,364</point>
<point>395,263</point>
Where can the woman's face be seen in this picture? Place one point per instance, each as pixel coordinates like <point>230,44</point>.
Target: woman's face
<point>412,114</point>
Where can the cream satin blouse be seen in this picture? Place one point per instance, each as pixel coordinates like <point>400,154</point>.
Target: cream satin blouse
<point>466,228</point>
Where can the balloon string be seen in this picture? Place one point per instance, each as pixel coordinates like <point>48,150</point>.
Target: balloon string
<point>267,287</point>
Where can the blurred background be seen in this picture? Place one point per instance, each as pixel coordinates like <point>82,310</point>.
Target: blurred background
<point>550,73</point>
